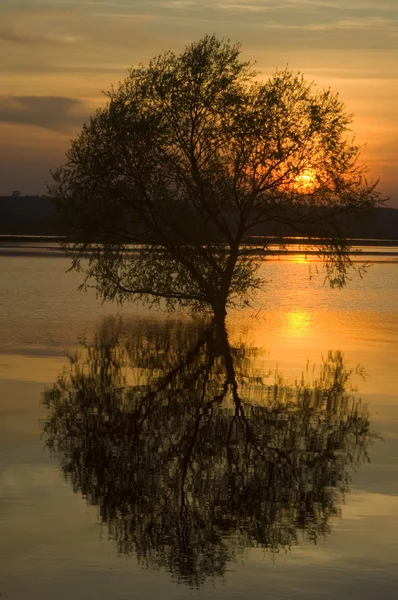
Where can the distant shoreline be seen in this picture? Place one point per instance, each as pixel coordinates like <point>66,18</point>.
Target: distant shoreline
<point>33,246</point>
<point>252,240</point>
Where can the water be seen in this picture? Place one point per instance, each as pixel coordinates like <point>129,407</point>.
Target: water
<point>290,485</point>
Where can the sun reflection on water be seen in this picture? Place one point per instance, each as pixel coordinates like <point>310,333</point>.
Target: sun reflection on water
<point>298,322</point>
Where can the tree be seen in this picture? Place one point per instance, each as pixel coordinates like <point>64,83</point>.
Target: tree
<point>164,186</point>
<point>192,452</point>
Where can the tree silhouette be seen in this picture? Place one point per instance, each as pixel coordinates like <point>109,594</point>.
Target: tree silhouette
<point>191,455</point>
<point>164,186</point>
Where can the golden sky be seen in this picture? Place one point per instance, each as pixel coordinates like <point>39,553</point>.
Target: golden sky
<point>57,55</point>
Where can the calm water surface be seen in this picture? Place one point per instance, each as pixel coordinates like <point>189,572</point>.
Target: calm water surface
<point>143,456</point>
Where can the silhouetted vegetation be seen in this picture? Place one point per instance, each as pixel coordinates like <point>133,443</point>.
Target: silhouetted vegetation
<point>193,453</point>
<point>27,215</point>
<point>36,215</point>
<point>189,156</point>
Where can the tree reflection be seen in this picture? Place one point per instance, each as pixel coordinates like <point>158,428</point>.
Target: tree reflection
<point>192,455</point>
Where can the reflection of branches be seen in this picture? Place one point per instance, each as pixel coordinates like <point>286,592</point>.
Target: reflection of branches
<point>191,456</point>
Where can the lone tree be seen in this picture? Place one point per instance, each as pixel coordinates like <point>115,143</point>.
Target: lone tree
<point>165,185</point>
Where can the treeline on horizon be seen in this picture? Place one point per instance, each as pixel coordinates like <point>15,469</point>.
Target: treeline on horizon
<point>36,215</point>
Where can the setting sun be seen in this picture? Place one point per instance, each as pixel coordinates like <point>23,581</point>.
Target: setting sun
<point>305,181</point>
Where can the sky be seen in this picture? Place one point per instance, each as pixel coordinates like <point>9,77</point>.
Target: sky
<point>58,56</point>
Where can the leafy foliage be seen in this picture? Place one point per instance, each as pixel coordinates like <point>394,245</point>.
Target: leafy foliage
<point>164,186</point>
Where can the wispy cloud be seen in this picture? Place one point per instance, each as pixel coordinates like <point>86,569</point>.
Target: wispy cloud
<point>11,34</point>
<point>178,4</point>
<point>56,113</point>
<point>335,5</point>
<point>257,8</point>
<point>361,23</point>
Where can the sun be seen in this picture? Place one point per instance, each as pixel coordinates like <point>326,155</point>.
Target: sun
<point>305,181</point>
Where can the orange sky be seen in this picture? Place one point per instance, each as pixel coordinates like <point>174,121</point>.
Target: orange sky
<point>57,56</point>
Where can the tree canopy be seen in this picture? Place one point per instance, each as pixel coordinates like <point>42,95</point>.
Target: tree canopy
<point>164,186</point>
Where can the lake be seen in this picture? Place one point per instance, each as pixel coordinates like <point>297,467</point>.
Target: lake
<point>146,455</point>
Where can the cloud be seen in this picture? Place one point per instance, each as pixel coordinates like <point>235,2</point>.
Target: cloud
<point>242,7</point>
<point>313,5</point>
<point>50,112</point>
<point>178,4</point>
<point>10,35</point>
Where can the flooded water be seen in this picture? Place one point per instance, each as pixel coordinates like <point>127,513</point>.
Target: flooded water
<point>144,455</point>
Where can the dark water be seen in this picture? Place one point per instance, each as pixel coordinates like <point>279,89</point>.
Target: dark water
<point>169,457</point>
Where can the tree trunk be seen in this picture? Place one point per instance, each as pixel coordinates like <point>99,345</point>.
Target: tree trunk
<point>219,303</point>
<point>219,310</point>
